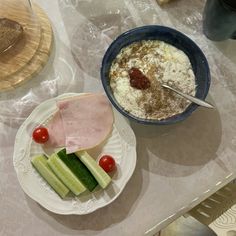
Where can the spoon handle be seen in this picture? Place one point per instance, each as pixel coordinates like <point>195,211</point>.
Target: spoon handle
<point>189,97</point>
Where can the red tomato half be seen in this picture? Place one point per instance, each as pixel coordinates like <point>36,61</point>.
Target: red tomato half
<point>107,163</point>
<point>40,135</point>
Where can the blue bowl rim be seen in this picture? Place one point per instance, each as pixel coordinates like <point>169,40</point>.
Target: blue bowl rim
<point>173,119</point>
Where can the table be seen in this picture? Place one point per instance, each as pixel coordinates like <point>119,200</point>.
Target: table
<point>178,166</point>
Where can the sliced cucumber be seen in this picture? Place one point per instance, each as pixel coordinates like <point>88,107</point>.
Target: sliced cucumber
<point>41,165</point>
<point>79,169</point>
<point>65,174</point>
<point>99,174</point>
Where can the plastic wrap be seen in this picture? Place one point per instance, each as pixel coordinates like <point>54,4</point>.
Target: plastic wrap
<point>90,26</point>
<point>83,29</point>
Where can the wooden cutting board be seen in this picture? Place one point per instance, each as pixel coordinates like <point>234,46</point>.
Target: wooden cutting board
<point>30,54</point>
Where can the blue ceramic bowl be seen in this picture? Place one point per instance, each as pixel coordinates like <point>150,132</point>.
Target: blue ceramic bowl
<point>168,35</point>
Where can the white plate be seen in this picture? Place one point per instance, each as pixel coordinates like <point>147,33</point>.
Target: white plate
<point>121,145</point>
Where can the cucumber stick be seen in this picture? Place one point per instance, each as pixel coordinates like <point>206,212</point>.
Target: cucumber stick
<point>41,165</point>
<point>65,174</point>
<point>99,174</point>
<point>79,169</point>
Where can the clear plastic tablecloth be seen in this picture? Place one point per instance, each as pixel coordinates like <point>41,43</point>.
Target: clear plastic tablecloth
<point>178,165</point>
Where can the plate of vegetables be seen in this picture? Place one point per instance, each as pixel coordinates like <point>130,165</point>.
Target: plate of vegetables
<point>74,154</point>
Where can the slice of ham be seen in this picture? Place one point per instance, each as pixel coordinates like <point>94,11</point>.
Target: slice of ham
<point>56,132</point>
<point>83,122</point>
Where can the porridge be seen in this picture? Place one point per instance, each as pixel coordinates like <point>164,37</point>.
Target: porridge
<point>136,75</point>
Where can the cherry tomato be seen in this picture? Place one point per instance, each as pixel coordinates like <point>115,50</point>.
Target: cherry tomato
<point>107,163</point>
<point>40,135</point>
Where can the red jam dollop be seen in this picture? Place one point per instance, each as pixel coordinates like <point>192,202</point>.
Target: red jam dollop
<point>137,79</point>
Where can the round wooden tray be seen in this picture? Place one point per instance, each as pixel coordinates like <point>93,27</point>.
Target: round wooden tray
<point>28,57</point>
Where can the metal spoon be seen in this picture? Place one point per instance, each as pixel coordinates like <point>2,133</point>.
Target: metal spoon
<point>189,97</point>
<point>136,75</point>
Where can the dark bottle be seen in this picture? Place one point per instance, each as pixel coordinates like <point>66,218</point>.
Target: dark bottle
<point>219,19</point>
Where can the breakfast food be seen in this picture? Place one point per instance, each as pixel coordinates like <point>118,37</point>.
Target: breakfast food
<point>79,169</point>
<point>107,163</point>
<point>40,135</point>
<point>99,174</point>
<point>41,165</point>
<point>70,172</point>
<point>81,123</point>
<point>10,32</point>
<point>87,120</point>
<point>65,174</point>
<point>56,130</point>
<point>136,75</point>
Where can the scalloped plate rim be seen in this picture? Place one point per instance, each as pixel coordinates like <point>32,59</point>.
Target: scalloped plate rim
<point>48,206</point>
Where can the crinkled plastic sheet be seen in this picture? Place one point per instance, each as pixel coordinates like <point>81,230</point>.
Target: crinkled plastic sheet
<point>83,33</point>
<point>91,26</point>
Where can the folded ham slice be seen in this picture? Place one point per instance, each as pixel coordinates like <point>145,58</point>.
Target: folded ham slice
<point>83,122</point>
<point>56,132</point>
